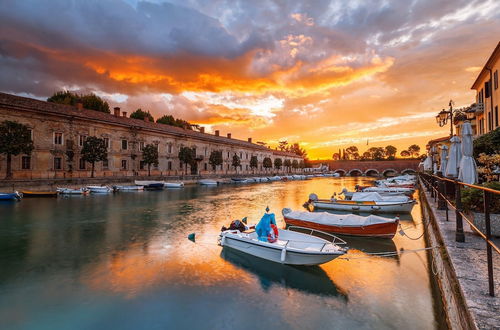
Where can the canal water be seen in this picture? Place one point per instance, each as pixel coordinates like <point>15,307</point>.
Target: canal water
<point>122,261</point>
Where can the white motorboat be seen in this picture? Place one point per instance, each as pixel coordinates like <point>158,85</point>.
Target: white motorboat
<point>390,191</point>
<point>128,188</point>
<point>99,189</point>
<point>274,178</point>
<point>207,182</point>
<point>291,248</point>
<point>147,183</point>
<point>348,194</point>
<point>174,184</point>
<point>69,191</point>
<point>382,205</point>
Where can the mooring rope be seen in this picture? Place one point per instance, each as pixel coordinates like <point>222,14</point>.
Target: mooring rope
<point>388,254</point>
<point>403,233</point>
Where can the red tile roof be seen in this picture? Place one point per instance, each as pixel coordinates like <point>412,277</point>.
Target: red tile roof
<point>18,103</point>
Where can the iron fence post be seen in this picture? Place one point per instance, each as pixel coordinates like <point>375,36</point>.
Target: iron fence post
<point>486,199</point>
<point>441,201</point>
<point>431,180</point>
<point>459,232</point>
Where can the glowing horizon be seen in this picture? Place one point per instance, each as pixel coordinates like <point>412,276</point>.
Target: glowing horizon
<point>326,75</point>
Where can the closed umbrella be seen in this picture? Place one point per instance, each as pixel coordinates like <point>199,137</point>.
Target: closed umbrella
<point>444,154</point>
<point>428,163</point>
<point>453,158</point>
<point>468,170</point>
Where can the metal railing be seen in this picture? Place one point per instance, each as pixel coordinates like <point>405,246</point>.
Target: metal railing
<point>441,189</point>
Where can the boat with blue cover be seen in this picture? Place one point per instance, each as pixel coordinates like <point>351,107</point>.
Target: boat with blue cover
<point>15,196</point>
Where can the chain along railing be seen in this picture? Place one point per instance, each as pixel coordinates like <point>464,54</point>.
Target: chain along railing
<point>444,190</point>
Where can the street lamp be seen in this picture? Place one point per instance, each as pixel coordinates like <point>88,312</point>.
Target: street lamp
<point>444,115</point>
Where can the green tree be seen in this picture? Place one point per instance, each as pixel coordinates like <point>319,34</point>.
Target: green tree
<point>267,163</point>
<point>170,120</point>
<point>390,152</point>
<point>376,153</point>
<point>150,156</point>
<point>414,150</point>
<point>278,162</point>
<point>488,144</point>
<point>283,145</point>
<point>367,155</point>
<point>302,164</point>
<point>187,156</point>
<point>94,150</point>
<point>254,163</point>
<point>295,164</point>
<point>296,149</point>
<point>336,156</point>
<point>15,139</point>
<point>215,159</point>
<point>287,163</point>
<point>352,152</point>
<point>236,162</point>
<point>89,101</point>
<point>405,153</point>
<point>140,114</point>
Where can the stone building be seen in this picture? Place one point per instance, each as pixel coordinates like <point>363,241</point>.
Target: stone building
<point>59,131</point>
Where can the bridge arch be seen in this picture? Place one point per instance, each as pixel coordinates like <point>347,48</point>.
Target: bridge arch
<point>355,172</point>
<point>372,172</point>
<point>408,171</point>
<point>341,171</point>
<point>389,172</point>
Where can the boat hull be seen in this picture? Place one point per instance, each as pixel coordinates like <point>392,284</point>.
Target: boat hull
<point>35,194</point>
<point>174,185</point>
<point>380,230</point>
<point>274,253</point>
<point>370,208</point>
<point>10,197</point>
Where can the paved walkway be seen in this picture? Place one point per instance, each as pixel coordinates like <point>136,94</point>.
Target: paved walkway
<point>469,262</point>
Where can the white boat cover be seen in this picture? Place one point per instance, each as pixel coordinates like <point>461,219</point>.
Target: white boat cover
<point>345,220</point>
<point>146,183</point>
<point>374,196</point>
<point>388,189</point>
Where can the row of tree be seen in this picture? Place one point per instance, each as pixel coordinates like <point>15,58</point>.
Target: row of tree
<point>376,153</point>
<point>93,102</point>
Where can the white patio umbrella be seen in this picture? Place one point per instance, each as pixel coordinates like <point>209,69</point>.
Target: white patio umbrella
<point>444,154</point>
<point>453,158</point>
<point>468,170</point>
<point>428,163</point>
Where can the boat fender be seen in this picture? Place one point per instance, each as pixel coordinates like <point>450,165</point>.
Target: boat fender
<point>313,197</point>
<point>223,240</point>
<point>286,210</point>
<point>283,255</point>
<point>273,235</point>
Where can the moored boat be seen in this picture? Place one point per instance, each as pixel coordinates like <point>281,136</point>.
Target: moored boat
<point>207,182</point>
<point>239,180</point>
<point>99,189</point>
<point>146,183</point>
<point>345,224</point>
<point>70,191</point>
<point>174,184</point>
<point>128,188</point>
<point>15,196</point>
<point>389,191</point>
<point>155,186</point>
<point>370,206</point>
<point>288,247</point>
<point>30,194</point>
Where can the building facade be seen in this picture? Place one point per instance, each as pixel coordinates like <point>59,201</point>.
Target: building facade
<point>487,95</point>
<point>59,131</point>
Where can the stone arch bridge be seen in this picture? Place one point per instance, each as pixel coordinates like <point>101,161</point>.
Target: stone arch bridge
<point>372,168</point>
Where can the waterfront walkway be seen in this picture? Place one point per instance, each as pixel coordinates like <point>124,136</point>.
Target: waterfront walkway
<point>468,263</point>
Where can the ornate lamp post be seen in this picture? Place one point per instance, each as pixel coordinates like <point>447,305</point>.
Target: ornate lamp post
<point>444,115</point>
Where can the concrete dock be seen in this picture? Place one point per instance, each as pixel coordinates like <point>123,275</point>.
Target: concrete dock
<point>461,270</point>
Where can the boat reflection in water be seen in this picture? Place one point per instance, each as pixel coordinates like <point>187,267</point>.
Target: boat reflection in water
<point>310,279</point>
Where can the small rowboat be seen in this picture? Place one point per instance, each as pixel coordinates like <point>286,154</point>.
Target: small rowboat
<point>379,206</point>
<point>69,191</point>
<point>291,248</point>
<point>128,188</point>
<point>239,180</point>
<point>28,194</point>
<point>15,196</point>
<point>147,183</point>
<point>99,189</point>
<point>345,224</point>
<point>207,182</point>
<point>154,186</point>
<point>174,184</point>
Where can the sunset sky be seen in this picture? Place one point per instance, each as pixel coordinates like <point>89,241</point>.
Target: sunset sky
<point>327,74</point>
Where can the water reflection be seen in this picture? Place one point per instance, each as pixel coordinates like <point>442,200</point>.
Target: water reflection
<point>312,280</point>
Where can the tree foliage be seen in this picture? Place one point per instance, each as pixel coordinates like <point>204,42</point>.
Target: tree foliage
<point>140,114</point>
<point>278,162</point>
<point>296,149</point>
<point>488,144</point>
<point>170,120</point>
<point>236,161</point>
<point>254,163</point>
<point>405,153</point>
<point>414,150</point>
<point>267,162</point>
<point>283,145</point>
<point>94,150</point>
<point>376,153</point>
<point>15,139</point>
<point>390,152</point>
<point>89,101</point>
<point>150,156</point>
<point>287,163</point>
<point>352,153</point>
<point>215,159</point>
<point>295,164</point>
<point>187,156</point>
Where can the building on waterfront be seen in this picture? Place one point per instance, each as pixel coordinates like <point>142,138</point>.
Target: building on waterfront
<point>483,114</point>
<point>59,131</point>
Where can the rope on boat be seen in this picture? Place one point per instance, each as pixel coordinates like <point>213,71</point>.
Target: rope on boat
<point>388,254</point>
<point>403,233</point>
